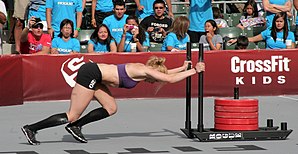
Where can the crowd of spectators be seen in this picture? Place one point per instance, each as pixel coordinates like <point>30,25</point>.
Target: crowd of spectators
<point>53,26</point>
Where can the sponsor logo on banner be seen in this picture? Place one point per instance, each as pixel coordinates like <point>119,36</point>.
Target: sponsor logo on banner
<point>275,64</point>
<point>72,64</point>
<point>219,136</point>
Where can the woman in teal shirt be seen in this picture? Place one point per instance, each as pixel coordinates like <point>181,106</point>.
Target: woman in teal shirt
<point>177,37</point>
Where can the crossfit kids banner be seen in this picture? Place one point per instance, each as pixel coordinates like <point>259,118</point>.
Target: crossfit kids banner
<point>255,72</point>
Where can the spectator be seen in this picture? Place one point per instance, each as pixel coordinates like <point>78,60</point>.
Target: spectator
<point>274,6</point>
<point>9,11</point>
<point>33,41</point>
<point>37,9</point>
<point>100,10</point>
<point>56,11</point>
<point>145,8</point>
<point>3,16</point>
<point>218,18</point>
<point>133,33</point>
<point>101,40</point>
<point>19,21</point>
<point>250,16</point>
<point>211,40</point>
<point>177,36</point>
<point>116,21</point>
<point>296,22</point>
<point>200,11</point>
<point>242,42</point>
<point>65,43</point>
<point>276,36</point>
<point>3,13</point>
<point>157,25</point>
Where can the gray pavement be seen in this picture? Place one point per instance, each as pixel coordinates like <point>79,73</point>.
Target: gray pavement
<point>142,126</point>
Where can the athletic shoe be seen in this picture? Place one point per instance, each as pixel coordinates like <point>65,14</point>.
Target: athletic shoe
<point>30,135</point>
<point>76,132</point>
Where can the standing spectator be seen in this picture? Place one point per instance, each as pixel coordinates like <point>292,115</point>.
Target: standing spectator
<point>200,11</point>
<point>19,21</point>
<point>33,41</point>
<point>218,18</point>
<point>157,25</point>
<point>3,16</point>
<point>57,10</point>
<point>116,21</point>
<point>211,40</point>
<point>65,43</point>
<point>177,37</point>
<point>101,40</point>
<point>133,33</point>
<point>145,8</point>
<point>37,8</point>
<point>9,9</point>
<point>100,9</point>
<point>274,6</point>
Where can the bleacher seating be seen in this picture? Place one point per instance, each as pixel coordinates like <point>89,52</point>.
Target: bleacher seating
<point>230,32</point>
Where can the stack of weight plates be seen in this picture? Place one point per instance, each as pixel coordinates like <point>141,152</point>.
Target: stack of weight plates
<point>236,114</point>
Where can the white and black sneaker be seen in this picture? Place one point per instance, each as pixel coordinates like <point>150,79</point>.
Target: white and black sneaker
<point>30,135</point>
<point>76,132</point>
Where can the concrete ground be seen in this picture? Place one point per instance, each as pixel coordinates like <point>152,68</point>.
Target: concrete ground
<point>142,126</point>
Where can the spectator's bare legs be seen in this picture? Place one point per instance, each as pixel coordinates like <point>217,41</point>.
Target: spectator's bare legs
<point>17,34</point>
<point>80,101</point>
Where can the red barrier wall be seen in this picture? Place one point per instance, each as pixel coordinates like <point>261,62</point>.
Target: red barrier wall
<point>256,72</point>
<point>11,80</point>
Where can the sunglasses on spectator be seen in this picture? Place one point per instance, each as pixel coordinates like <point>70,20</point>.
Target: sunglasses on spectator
<point>38,26</point>
<point>158,7</point>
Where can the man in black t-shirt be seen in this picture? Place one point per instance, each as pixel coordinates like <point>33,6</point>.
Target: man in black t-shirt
<point>157,25</point>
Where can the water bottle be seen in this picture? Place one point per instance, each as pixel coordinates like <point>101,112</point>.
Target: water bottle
<point>133,47</point>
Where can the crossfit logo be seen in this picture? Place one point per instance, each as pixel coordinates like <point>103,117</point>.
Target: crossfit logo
<point>278,64</point>
<point>72,67</point>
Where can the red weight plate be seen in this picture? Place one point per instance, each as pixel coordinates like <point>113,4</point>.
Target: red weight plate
<point>236,127</point>
<point>239,115</point>
<point>236,109</point>
<point>235,102</point>
<point>230,121</point>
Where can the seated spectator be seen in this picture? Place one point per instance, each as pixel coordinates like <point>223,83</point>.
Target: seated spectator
<point>242,42</point>
<point>177,36</point>
<point>211,40</point>
<point>65,43</point>
<point>101,40</point>
<point>250,17</point>
<point>276,36</point>
<point>33,40</point>
<point>218,18</point>
<point>157,25</point>
<point>133,33</point>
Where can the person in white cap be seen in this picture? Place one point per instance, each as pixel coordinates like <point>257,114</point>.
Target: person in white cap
<point>33,40</point>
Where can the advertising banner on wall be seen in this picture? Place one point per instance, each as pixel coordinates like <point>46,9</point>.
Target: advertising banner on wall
<point>255,72</point>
